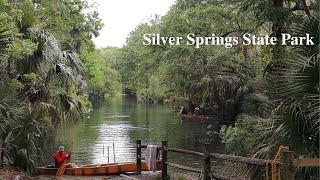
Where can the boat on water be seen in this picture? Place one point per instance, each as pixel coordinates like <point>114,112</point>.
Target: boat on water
<point>192,116</point>
<point>97,169</point>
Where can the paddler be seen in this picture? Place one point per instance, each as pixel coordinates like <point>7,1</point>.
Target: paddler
<point>60,155</point>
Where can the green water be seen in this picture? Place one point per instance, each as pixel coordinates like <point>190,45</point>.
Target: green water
<point>121,121</point>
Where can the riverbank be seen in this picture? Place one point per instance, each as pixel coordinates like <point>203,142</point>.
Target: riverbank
<point>143,176</point>
<point>9,172</point>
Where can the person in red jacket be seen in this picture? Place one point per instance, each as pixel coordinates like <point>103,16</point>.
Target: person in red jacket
<point>60,156</point>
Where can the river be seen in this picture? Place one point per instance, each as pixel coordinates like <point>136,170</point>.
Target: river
<point>118,122</point>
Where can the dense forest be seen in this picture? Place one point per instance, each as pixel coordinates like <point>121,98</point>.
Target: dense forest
<point>50,67</point>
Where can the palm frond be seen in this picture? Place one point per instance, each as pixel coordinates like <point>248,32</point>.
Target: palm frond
<point>62,73</point>
<point>72,60</point>
<point>257,105</point>
<point>69,107</point>
<point>309,26</point>
<point>298,87</point>
<point>294,99</point>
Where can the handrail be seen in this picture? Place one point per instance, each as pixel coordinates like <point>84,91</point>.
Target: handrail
<point>287,162</point>
<point>308,162</point>
<point>241,159</point>
<point>247,160</point>
<point>145,146</point>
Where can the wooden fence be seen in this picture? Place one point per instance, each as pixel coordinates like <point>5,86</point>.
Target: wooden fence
<point>287,163</point>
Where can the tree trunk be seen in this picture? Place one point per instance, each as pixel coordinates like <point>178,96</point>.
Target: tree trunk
<point>277,29</point>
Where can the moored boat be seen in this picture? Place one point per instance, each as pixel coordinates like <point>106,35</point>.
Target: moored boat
<point>97,169</point>
<point>192,116</point>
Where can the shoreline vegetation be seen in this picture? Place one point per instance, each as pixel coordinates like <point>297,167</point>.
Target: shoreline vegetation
<point>50,68</point>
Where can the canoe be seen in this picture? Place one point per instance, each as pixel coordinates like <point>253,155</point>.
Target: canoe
<point>97,169</point>
<point>192,117</point>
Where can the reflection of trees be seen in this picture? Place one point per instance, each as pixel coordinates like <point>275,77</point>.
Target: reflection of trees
<point>151,125</point>
<point>96,102</point>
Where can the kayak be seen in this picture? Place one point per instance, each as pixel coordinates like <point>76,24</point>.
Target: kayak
<point>97,169</point>
<point>192,116</point>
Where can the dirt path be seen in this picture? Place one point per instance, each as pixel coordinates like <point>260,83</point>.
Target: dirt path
<point>8,173</point>
<point>11,173</point>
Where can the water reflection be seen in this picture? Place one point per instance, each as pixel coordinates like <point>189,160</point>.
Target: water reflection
<point>121,121</point>
<point>114,135</point>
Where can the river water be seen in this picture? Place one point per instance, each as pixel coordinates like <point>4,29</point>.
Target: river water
<point>118,122</point>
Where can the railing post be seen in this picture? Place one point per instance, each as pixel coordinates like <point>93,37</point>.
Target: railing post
<point>164,160</point>
<point>206,162</point>
<point>287,168</point>
<point>108,155</point>
<point>114,153</point>
<point>138,156</point>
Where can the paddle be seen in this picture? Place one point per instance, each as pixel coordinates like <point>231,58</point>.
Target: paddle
<point>63,166</point>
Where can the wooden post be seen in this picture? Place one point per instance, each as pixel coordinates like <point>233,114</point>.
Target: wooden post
<point>287,168</point>
<point>114,153</point>
<point>206,162</point>
<point>164,160</point>
<point>139,157</point>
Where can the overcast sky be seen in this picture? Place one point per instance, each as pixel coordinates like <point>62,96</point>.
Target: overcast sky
<point>122,16</point>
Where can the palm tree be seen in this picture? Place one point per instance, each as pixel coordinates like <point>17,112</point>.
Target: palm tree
<point>10,112</point>
<point>45,78</point>
<point>55,72</point>
<point>223,86</point>
<point>39,83</point>
<point>295,115</point>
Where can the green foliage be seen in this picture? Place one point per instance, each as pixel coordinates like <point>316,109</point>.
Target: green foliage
<point>10,45</point>
<point>138,66</point>
<point>69,24</point>
<point>236,138</point>
<point>279,109</point>
<point>292,104</point>
<point>28,19</point>
<point>257,105</point>
<point>33,127</point>
<point>42,79</point>
<point>20,129</point>
<point>6,29</point>
<point>48,74</point>
<point>102,78</point>
<point>214,76</point>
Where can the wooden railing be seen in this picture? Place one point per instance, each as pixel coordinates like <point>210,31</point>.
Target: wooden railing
<point>287,163</point>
